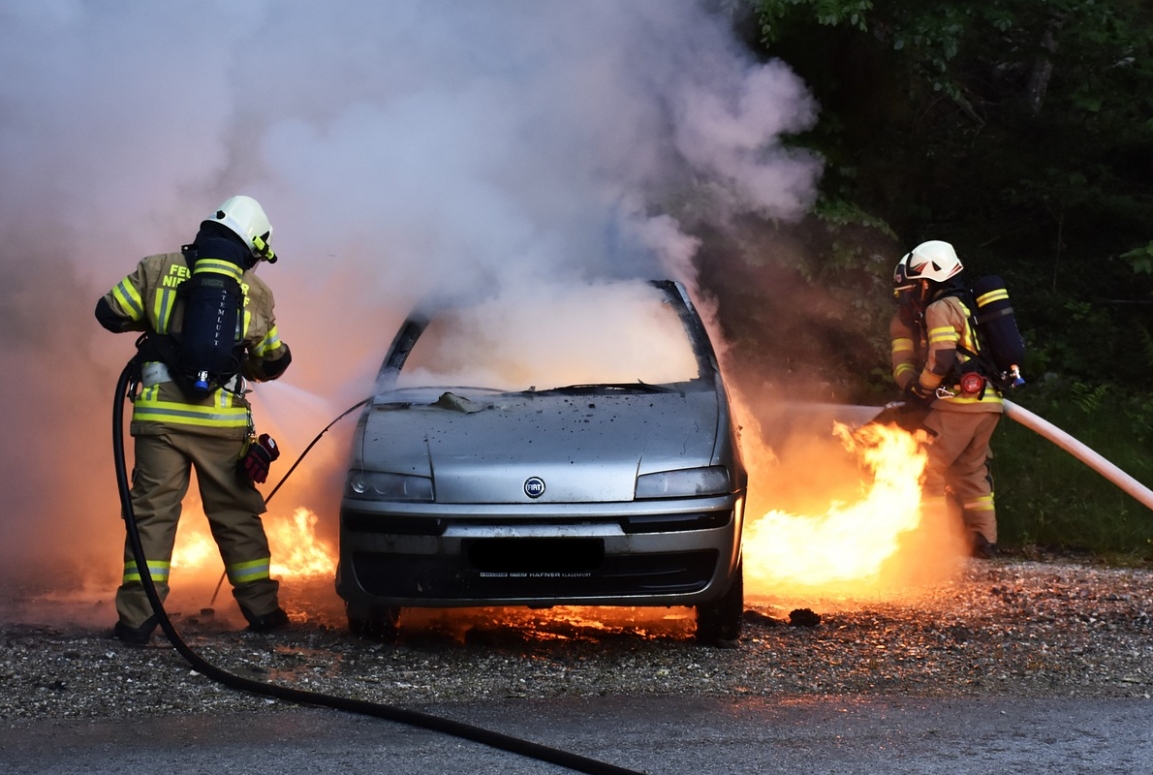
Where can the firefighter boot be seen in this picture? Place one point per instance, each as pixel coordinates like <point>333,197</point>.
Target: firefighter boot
<point>135,636</point>
<point>982,549</point>
<point>268,622</point>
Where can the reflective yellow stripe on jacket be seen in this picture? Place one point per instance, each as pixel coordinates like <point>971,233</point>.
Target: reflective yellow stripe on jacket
<point>903,353</point>
<point>221,413</point>
<point>129,299</point>
<point>991,397</point>
<point>943,334</point>
<point>268,344</point>
<point>162,306</point>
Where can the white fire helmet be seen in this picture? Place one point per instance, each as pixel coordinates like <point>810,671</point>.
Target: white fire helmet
<point>933,260</point>
<point>901,281</point>
<point>244,216</point>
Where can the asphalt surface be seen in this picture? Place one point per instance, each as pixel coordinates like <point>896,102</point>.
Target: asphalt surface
<point>676,736</point>
<point>1074,621</point>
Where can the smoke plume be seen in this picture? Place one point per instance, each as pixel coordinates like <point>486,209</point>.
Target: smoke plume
<point>398,148</point>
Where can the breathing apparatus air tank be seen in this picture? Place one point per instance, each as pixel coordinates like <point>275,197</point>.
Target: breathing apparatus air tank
<point>997,326</point>
<point>213,301</point>
<point>231,240</point>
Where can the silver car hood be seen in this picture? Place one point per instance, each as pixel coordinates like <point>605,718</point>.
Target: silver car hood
<point>586,447</point>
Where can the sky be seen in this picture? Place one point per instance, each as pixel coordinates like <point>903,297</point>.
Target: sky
<point>399,148</point>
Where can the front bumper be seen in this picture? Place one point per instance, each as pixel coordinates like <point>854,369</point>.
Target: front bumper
<point>655,553</point>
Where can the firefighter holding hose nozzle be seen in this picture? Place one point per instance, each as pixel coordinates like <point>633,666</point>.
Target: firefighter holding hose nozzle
<point>208,328</point>
<point>935,361</point>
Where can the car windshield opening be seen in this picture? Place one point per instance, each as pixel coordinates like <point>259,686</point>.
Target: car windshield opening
<point>615,333</point>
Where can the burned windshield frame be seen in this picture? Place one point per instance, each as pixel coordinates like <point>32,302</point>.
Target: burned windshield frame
<point>671,292</point>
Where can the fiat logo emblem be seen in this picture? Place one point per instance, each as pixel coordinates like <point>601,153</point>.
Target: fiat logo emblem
<point>534,487</point>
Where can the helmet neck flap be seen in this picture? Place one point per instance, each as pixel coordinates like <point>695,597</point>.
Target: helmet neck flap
<point>214,240</point>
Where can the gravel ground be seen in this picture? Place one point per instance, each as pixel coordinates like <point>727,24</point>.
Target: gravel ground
<point>1010,627</point>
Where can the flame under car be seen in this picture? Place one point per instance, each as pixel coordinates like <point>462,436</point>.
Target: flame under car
<point>574,448</point>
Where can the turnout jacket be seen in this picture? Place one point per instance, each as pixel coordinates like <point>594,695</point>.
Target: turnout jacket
<point>147,301</point>
<point>926,350</point>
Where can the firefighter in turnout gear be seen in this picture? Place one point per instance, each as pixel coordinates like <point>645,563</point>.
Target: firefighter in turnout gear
<point>934,342</point>
<point>196,416</point>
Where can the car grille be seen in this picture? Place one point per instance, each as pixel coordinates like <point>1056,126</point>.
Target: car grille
<point>497,569</point>
<point>632,525</point>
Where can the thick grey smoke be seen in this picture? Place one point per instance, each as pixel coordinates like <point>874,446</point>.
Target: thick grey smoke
<point>398,148</point>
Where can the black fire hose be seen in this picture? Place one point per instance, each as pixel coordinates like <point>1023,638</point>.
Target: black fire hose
<point>388,712</point>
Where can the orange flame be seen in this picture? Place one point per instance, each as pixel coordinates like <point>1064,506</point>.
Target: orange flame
<point>194,549</point>
<point>297,553</point>
<point>847,547</point>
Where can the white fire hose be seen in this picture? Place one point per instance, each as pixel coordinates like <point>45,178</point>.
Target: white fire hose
<point>1081,452</point>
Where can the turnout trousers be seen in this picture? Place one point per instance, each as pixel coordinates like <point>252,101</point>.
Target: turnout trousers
<point>232,504</point>
<point>959,462</point>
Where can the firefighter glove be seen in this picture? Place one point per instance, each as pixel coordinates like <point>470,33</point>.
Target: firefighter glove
<point>916,395</point>
<point>259,457</point>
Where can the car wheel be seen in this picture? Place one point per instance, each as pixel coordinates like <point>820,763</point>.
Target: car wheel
<point>719,622</point>
<point>375,622</point>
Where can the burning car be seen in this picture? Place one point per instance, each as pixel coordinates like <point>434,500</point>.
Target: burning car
<point>572,448</point>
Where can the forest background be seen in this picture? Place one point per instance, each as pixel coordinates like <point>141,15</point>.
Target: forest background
<point>1021,131</point>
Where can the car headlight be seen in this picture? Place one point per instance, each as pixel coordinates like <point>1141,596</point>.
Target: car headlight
<point>713,480</point>
<point>375,485</point>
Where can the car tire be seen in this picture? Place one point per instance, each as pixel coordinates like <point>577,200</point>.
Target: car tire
<point>719,622</point>
<point>374,622</point>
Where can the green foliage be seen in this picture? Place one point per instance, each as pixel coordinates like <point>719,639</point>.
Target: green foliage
<point>1043,131</point>
<point>1048,497</point>
<point>1089,398</point>
<point>1141,258</point>
<point>773,14</point>
<point>1145,346</point>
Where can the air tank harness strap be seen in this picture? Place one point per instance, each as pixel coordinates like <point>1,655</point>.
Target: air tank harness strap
<point>132,370</point>
<point>156,372</point>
